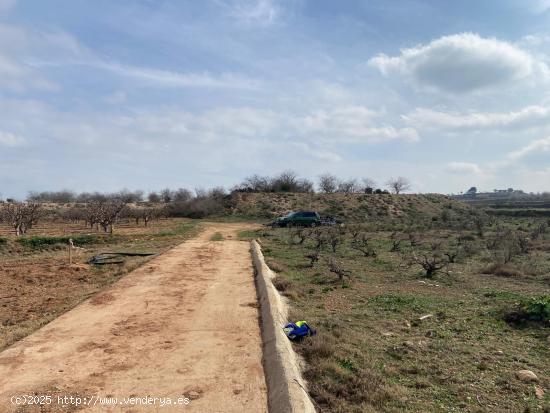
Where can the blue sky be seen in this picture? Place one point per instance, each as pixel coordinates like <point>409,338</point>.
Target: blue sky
<point>148,94</point>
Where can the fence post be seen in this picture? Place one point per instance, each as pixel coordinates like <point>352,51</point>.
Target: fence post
<point>71,246</point>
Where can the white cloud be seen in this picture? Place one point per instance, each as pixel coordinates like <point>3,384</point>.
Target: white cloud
<point>463,168</point>
<point>11,140</point>
<point>18,77</point>
<point>163,78</point>
<point>531,116</point>
<point>538,147</point>
<point>534,40</point>
<point>460,63</point>
<point>262,12</point>
<point>539,6</point>
<point>352,124</point>
<point>172,78</point>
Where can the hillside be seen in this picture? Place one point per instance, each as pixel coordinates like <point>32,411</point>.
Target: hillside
<point>351,207</point>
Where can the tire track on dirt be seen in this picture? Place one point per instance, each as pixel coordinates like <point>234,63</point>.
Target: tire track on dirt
<point>183,325</point>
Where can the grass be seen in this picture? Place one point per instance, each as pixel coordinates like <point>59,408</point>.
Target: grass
<point>217,237</point>
<point>38,242</point>
<point>247,235</point>
<point>374,353</point>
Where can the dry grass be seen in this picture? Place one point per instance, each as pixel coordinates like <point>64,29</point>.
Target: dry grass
<point>503,270</point>
<point>276,266</point>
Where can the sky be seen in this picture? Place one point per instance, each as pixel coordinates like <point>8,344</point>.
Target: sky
<point>147,94</point>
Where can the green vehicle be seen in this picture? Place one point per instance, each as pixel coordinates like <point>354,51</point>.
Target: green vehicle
<point>298,219</point>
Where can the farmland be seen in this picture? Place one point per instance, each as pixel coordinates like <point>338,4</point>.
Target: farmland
<point>37,283</point>
<point>421,303</point>
<point>394,338</point>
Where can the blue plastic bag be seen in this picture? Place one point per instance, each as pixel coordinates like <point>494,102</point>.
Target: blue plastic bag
<point>298,330</point>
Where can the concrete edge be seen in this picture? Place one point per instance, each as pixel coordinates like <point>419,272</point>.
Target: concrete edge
<point>286,389</point>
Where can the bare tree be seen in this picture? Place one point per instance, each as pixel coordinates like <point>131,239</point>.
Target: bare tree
<point>414,238</point>
<point>144,213</point>
<point>320,238</point>
<point>337,268</point>
<point>105,213</point>
<point>313,257</point>
<point>20,216</point>
<point>396,242</point>
<point>255,183</point>
<point>153,197</point>
<point>287,181</point>
<point>368,185</point>
<point>361,244</point>
<point>334,238</point>
<point>399,184</point>
<point>328,183</point>
<point>431,263</point>
<point>301,234</point>
<point>166,195</point>
<point>348,187</point>
<point>129,196</point>
<point>182,195</point>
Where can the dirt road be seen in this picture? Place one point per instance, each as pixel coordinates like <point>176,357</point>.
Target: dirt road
<point>182,327</point>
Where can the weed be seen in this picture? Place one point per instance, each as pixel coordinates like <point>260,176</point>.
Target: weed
<point>217,237</point>
<point>43,242</point>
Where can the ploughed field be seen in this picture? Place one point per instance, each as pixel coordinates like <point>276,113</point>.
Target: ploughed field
<point>37,284</point>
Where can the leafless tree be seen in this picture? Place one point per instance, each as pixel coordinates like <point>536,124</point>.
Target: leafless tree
<point>361,243</point>
<point>396,242</point>
<point>301,234</point>
<point>129,196</point>
<point>153,197</point>
<point>105,213</point>
<point>313,257</point>
<point>349,187</point>
<point>320,238</point>
<point>21,216</point>
<point>287,181</point>
<point>399,184</point>
<point>166,195</point>
<point>337,268</point>
<point>334,238</point>
<point>414,238</point>
<point>74,214</point>
<point>328,183</point>
<point>368,185</point>
<point>182,195</point>
<point>431,263</point>
<point>144,213</point>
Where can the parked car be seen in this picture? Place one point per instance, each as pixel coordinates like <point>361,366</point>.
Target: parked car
<point>298,219</point>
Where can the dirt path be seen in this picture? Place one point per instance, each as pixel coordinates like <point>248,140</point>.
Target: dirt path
<point>184,325</point>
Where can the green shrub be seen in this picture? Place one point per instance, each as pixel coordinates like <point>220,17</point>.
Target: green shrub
<point>3,241</point>
<point>42,242</point>
<point>537,308</point>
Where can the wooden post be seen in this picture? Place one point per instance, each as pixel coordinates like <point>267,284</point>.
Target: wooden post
<point>71,246</point>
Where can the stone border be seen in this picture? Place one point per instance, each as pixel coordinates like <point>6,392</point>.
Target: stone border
<point>286,389</point>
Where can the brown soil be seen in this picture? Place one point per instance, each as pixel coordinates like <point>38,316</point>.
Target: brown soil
<point>183,325</point>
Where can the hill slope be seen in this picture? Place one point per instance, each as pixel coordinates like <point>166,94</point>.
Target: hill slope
<point>351,207</point>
